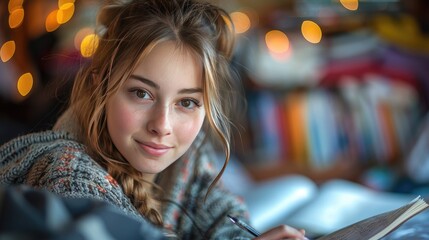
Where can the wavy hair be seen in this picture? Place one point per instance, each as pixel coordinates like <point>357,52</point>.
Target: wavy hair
<point>130,30</point>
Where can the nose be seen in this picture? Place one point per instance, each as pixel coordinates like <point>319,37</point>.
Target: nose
<point>160,121</point>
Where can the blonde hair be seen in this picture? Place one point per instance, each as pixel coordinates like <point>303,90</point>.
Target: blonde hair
<point>131,29</point>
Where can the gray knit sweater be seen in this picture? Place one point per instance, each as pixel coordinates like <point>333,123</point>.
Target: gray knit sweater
<point>56,161</point>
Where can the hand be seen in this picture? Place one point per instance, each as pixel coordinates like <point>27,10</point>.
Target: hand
<point>283,232</point>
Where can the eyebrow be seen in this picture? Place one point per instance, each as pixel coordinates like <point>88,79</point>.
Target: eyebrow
<point>154,85</point>
<point>146,81</point>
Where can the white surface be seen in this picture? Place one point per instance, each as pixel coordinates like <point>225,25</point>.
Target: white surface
<point>270,202</point>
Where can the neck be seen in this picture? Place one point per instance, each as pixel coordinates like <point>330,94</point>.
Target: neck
<point>149,177</point>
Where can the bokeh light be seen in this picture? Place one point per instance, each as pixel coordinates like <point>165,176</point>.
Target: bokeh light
<point>80,35</point>
<point>16,17</point>
<point>25,84</point>
<point>311,31</point>
<point>241,22</point>
<point>65,12</point>
<point>14,4</point>
<point>51,23</point>
<point>89,45</point>
<point>7,50</point>
<point>277,41</point>
<point>62,2</point>
<point>351,5</point>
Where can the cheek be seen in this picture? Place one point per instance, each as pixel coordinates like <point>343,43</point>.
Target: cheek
<point>120,119</point>
<point>189,130</point>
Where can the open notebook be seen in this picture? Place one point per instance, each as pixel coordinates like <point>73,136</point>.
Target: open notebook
<point>297,201</point>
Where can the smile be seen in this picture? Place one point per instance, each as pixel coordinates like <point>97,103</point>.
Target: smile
<point>156,150</point>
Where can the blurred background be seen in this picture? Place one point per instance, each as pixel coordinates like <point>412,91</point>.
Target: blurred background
<point>335,89</point>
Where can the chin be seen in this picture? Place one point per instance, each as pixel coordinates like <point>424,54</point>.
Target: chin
<point>151,170</point>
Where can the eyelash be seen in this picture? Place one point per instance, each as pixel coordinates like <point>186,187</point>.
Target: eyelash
<point>193,100</point>
<point>135,93</point>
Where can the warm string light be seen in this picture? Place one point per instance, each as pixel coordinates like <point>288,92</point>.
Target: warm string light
<point>277,41</point>
<point>25,84</point>
<point>51,23</point>
<point>7,51</point>
<point>311,31</point>
<point>86,41</point>
<point>241,22</point>
<point>65,12</point>
<point>88,45</point>
<point>14,4</point>
<point>351,5</point>
<point>16,13</point>
<point>16,17</point>
<point>279,45</point>
<point>61,15</point>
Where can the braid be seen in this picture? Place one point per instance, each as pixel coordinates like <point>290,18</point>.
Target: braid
<point>136,188</point>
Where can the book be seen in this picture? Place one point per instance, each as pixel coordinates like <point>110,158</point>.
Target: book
<point>296,114</point>
<point>378,226</point>
<point>337,209</point>
<point>263,121</point>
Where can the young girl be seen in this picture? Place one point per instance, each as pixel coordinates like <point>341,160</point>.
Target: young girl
<point>141,122</point>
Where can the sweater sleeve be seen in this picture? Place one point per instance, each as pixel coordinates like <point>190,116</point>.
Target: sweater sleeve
<point>211,214</point>
<point>68,171</point>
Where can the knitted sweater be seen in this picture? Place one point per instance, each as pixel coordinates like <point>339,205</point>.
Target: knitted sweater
<point>56,161</point>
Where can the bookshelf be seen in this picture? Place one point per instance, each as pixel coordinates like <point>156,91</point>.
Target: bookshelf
<point>339,106</point>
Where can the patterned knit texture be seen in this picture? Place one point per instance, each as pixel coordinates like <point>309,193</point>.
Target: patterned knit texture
<point>55,161</point>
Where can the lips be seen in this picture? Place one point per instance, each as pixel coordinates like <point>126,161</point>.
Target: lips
<point>154,149</point>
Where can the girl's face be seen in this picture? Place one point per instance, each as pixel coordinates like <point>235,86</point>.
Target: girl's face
<point>157,113</point>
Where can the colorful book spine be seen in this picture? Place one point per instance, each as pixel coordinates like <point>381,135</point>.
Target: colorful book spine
<point>316,127</point>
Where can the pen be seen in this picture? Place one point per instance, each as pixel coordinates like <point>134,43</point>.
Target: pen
<point>247,227</point>
<point>244,226</point>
